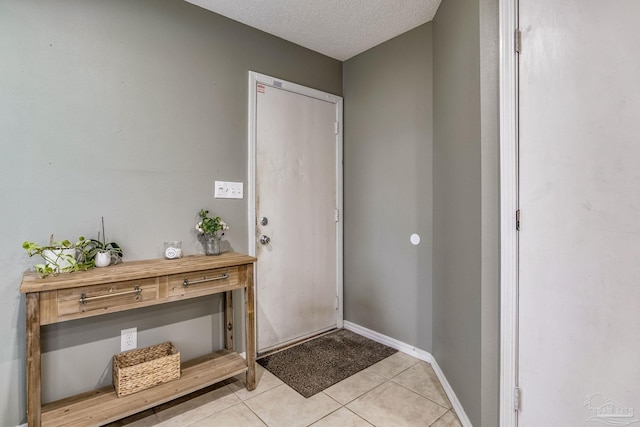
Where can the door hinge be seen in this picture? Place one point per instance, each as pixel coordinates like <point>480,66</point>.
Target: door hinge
<point>516,399</point>
<point>518,41</point>
<point>337,127</point>
<point>337,302</point>
<point>337,215</point>
<point>518,220</point>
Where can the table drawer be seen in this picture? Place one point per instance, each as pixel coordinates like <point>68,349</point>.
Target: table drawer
<point>109,297</point>
<point>203,282</point>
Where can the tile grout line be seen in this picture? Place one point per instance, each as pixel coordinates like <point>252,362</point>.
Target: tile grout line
<point>443,415</point>
<point>419,394</point>
<point>419,354</point>
<point>387,380</point>
<point>253,412</point>
<point>407,388</point>
<point>390,380</point>
<point>426,397</point>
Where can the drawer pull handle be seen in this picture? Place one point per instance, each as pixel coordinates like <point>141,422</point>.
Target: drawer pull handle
<point>186,282</point>
<point>84,298</point>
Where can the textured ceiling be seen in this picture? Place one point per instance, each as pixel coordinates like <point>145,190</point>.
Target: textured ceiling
<point>337,28</point>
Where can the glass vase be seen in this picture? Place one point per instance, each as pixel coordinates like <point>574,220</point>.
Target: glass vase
<point>212,245</point>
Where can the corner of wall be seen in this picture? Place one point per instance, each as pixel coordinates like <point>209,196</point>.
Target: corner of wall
<point>423,355</point>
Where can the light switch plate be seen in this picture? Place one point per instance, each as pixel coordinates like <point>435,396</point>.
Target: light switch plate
<point>228,190</point>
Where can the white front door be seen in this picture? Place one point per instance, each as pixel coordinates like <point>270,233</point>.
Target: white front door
<point>297,196</point>
<point>579,276</point>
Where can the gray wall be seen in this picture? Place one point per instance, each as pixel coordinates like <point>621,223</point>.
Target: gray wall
<point>388,114</point>
<point>466,253</point>
<point>128,110</point>
<point>490,178</point>
<point>457,201</point>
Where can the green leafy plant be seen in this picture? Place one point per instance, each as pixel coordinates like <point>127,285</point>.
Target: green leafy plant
<point>59,256</point>
<point>101,245</point>
<point>210,226</point>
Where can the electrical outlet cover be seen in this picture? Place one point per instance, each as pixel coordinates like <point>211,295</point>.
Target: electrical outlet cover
<point>128,339</point>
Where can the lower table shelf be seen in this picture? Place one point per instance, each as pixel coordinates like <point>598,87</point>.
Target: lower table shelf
<point>102,406</point>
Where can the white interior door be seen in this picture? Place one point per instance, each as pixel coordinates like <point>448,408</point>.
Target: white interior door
<point>579,301</point>
<point>297,194</point>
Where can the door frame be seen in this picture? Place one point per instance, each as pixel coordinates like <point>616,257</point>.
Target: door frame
<point>255,79</point>
<point>508,69</point>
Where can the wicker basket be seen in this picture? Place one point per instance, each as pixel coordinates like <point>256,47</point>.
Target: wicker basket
<point>137,370</point>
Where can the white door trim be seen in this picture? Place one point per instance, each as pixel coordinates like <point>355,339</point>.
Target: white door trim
<point>254,80</point>
<point>508,21</point>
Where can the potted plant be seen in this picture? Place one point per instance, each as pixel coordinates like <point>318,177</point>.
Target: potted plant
<point>212,229</point>
<point>58,256</point>
<point>100,253</point>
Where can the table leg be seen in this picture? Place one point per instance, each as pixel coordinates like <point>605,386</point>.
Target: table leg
<point>228,320</point>
<point>34,386</point>
<point>250,329</point>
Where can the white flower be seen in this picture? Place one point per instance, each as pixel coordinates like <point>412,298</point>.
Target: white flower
<point>210,226</point>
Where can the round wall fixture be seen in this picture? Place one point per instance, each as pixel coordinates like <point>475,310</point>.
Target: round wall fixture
<point>415,239</point>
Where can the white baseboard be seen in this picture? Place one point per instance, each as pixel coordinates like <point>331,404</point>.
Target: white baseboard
<point>388,341</point>
<point>457,406</point>
<point>418,354</point>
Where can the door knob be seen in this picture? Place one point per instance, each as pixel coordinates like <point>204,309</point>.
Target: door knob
<point>264,239</point>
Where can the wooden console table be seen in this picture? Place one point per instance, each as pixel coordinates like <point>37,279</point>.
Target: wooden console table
<point>128,286</point>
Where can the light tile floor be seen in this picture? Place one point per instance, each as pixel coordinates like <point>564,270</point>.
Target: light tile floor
<point>399,391</point>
